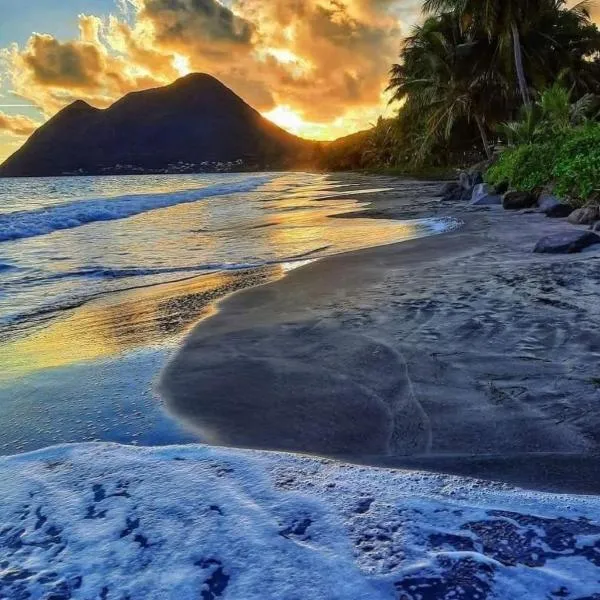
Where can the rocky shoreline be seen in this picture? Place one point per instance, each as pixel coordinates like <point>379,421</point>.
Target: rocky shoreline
<point>470,187</point>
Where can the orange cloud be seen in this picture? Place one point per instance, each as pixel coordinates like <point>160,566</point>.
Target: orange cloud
<point>319,66</point>
<point>19,125</point>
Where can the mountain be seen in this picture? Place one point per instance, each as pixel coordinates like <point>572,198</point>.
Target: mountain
<point>176,128</point>
<point>346,153</point>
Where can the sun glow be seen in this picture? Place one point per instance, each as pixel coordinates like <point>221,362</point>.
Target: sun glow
<point>292,121</point>
<point>287,118</point>
<point>182,64</point>
<point>295,65</point>
<point>353,120</point>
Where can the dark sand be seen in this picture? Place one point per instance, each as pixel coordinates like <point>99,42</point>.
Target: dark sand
<point>462,353</point>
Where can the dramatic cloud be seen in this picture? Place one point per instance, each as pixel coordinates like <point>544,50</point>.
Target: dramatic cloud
<point>317,67</point>
<point>200,26</point>
<point>17,124</point>
<point>51,73</point>
<point>71,64</point>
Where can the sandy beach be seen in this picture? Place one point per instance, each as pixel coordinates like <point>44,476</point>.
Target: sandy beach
<point>462,353</point>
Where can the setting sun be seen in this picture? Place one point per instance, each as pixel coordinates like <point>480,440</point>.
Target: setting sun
<point>287,118</point>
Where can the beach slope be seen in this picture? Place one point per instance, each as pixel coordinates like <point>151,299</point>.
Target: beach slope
<point>461,353</point>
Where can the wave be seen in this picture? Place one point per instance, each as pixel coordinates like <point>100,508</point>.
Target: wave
<point>323,529</point>
<point>113,273</point>
<point>25,224</point>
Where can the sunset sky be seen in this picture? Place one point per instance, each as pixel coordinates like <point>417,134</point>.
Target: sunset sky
<point>316,67</point>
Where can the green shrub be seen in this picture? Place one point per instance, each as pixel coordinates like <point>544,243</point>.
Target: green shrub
<point>576,169</point>
<point>525,167</point>
<point>570,163</point>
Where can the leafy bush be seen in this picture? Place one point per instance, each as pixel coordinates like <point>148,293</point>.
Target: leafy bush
<point>570,163</point>
<point>524,167</point>
<point>577,164</point>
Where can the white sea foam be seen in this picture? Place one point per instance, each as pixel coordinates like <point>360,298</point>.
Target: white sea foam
<point>105,521</point>
<point>25,224</point>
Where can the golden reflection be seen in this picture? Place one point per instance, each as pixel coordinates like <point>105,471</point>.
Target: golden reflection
<point>125,321</point>
<point>161,314</point>
<point>339,225</point>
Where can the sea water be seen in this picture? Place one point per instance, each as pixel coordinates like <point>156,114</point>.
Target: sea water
<point>100,277</point>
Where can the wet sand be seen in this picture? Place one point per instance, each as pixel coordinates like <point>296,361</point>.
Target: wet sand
<point>462,353</point>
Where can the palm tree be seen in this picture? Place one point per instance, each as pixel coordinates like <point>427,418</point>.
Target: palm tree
<point>550,116</point>
<point>448,77</point>
<point>507,22</point>
<point>563,47</point>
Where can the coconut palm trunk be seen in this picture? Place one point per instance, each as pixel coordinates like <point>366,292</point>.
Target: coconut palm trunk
<point>518,52</point>
<point>484,136</point>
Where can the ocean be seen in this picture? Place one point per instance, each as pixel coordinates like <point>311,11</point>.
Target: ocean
<point>100,277</point>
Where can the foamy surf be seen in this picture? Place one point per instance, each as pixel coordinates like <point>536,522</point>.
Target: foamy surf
<point>26,224</point>
<point>106,521</point>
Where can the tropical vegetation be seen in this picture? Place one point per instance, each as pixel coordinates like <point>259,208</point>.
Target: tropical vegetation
<point>477,76</point>
<point>555,143</point>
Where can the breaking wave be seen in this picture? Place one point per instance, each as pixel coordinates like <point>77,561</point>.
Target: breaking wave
<point>26,224</point>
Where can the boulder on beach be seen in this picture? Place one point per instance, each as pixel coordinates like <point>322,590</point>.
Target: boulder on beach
<point>450,187</point>
<point>464,180</point>
<point>502,187</point>
<point>469,179</point>
<point>553,207</point>
<point>452,192</point>
<point>476,177</point>
<point>585,216</point>
<point>518,200</point>
<point>560,211</point>
<point>485,195</point>
<point>568,242</point>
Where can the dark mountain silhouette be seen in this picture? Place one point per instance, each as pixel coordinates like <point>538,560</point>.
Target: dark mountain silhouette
<point>195,120</point>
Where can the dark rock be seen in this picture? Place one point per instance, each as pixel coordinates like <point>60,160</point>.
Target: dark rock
<point>449,188</point>
<point>568,242</point>
<point>585,216</point>
<point>469,179</point>
<point>502,187</point>
<point>458,194</point>
<point>552,207</point>
<point>467,194</point>
<point>560,211</point>
<point>518,200</point>
<point>595,226</point>
<point>464,180</point>
<point>477,178</point>
<point>452,192</point>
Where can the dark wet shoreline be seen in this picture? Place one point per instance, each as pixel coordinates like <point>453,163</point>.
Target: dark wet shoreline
<point>431,354</point>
